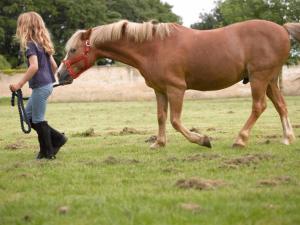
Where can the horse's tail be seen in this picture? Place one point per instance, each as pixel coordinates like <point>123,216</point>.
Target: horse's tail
<point>293,29</point>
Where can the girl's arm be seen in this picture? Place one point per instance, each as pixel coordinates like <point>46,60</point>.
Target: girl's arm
<point>53,64</point>
<point>31,71</point>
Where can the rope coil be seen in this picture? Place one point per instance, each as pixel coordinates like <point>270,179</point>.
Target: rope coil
<point>23,117</point>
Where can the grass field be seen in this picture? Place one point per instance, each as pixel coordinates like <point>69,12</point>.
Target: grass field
<point>112,177</point>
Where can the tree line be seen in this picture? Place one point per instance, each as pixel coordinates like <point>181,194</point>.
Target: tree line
<point>64,17</point>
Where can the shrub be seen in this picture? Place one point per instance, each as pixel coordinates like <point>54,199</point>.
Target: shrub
<point>4,64</point>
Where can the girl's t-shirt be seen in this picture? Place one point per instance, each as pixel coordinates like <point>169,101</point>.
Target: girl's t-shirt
<point>44,75</point>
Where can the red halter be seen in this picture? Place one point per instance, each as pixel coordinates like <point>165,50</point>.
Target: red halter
<point>83,57</point>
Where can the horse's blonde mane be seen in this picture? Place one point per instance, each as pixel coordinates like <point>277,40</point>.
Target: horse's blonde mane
<point>138,32</point>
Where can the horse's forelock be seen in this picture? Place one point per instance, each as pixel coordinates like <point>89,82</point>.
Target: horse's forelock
<point>74,40</point>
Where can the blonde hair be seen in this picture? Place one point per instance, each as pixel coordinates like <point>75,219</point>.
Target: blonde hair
<point>138,32</point>
<point>31,27</point>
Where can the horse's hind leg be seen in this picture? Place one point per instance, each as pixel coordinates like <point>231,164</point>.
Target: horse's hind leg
<point>276,97</point>
<point>259,82</point>
<point>175,97</point>
<point>162,110</point>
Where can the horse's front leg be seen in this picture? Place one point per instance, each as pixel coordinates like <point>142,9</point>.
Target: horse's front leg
<point>162,111</point>
<point>175,97</point>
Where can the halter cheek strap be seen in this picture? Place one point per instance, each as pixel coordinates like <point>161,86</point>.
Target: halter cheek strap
<point>83,57</point>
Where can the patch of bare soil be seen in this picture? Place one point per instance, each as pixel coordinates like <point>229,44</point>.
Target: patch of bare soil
<point>26,175</point>
<point>211,129</point>
<point>274,181</point>
<point>172,159</point>
<point>88,133</point>
<point>272,136</point>
<point>15,166</point>
<point>151,139</point>
<point>129,130</point>
<point>112,160</point>
<point>203,156</point>
<point>27,218</point>
<point>190,207</point>
<point>113,133</point>
<point>267,142</point>
<point>170,170</point>
<point>132,161</point>
<point>271,206</point>
<point>126,131</point>
<point>267,139</point>
<point>18,165</point>
<point>296,126</point>
<point>199,183</point>
<point>63,210</point>
<point>246,160</point>
<point>195,130</point>
<point>92,163</point>
<point>15,146</point>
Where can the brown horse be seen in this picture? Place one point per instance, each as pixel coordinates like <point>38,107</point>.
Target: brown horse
<point>173,58</point>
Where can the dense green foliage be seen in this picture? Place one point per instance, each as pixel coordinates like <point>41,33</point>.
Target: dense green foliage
<point>64,17</point>
<point>3,63</point>
<point>114,178</point>
<point>232,11</point>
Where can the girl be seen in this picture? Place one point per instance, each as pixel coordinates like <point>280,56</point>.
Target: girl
<point>34,38</point>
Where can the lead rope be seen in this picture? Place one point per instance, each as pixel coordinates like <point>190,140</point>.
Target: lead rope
<point>23,117</point>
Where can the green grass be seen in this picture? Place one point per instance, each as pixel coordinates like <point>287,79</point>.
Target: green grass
<point>99,190</point>
<point>4,101</point>
<point>11,72</point>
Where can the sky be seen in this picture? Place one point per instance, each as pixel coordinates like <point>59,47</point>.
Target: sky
<point>189,10</point>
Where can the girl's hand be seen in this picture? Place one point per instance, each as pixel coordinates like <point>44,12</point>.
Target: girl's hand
<point>15,87</point>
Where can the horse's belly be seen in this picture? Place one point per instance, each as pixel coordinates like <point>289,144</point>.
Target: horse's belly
<point>211,82</point>
<point>215,69</point>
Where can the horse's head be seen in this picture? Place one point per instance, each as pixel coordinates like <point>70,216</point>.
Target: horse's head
<point>80,56</point>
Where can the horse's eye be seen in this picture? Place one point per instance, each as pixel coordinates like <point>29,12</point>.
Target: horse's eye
<point>73,50</point>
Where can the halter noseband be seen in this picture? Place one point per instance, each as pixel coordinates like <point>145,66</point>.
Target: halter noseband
<point>83,57</point>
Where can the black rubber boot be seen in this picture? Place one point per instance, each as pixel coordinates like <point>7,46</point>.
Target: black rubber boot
<point>40,154</point>
<point>44,135</point>
<point>58,139</point>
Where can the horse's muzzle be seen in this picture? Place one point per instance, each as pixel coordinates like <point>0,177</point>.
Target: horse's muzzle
<point>64,78</point>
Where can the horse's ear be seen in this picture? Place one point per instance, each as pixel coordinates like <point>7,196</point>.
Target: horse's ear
<point>124,27</point>
<point>86,35</point>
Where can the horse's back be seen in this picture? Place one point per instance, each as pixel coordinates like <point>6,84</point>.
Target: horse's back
<point>252,40</point>
<point>219,58</point>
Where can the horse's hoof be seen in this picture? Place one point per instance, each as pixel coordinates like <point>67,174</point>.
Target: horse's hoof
<point>206,142</point>
<point>238,145</point>
<point>286,141</point>
<point>289,139</point>
<point>157,145</point>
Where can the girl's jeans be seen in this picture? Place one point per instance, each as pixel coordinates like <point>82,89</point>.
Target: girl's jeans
<point>36,105</point>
